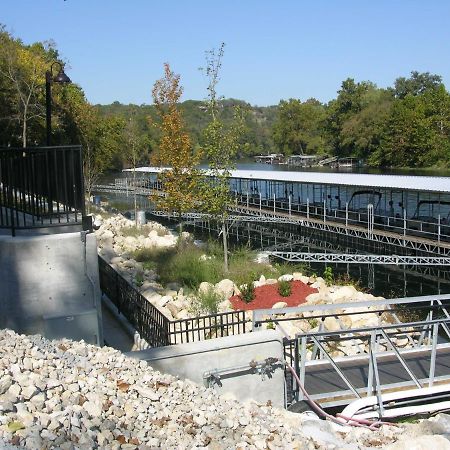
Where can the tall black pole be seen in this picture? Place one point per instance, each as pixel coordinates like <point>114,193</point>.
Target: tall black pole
<point>48,104</point>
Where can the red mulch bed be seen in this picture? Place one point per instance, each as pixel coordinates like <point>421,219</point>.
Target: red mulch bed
<point>266,296</point>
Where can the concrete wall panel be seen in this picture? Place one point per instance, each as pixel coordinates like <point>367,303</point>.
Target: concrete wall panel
<point>48,275</point>
<point>192,360</point>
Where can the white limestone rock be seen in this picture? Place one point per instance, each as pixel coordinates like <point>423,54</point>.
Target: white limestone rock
<point>205,287</point>
<point>225,288</point>
<point>286,277</point>
<point>278,305</point>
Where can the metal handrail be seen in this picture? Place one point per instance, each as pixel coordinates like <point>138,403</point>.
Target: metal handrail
<point>41,187</point>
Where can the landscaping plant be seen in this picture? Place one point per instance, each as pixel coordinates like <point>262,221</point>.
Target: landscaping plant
<point>284,288</point>
<point>206,302</point>
<point>247,290</point>
<point>328,276</point>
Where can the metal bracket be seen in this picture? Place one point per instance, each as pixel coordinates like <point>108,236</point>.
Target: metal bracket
<point>265,368</point>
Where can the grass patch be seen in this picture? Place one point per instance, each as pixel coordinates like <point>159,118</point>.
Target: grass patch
<point>183,265</point>
<point>151,258</point>
<point>186,268</point>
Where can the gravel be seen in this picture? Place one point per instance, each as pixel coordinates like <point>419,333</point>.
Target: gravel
<point>70,395</point>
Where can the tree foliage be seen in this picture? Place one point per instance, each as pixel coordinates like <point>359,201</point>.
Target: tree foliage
<point>22,75</point>
<point>175,149</point>
<point>417,84</point>
<point>300,127</point>
<point>403,126</point>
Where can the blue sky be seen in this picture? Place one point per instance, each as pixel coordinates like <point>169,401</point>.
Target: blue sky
<point>274,49</point>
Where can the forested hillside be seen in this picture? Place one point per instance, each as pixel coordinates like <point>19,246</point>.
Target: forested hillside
<point>259,122</point>
<point>407,125</point>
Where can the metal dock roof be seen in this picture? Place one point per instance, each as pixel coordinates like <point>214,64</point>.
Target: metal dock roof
<point>417,183</point>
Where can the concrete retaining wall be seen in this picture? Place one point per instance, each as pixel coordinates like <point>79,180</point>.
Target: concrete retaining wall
<point>192,360</point>
<point>49,285</point>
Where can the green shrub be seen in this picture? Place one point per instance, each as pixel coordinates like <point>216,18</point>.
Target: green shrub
<point>247,289</point>
<point>328,275</point>
<point>139,279</point>
<point>284,288</point>
<point>206,302</point>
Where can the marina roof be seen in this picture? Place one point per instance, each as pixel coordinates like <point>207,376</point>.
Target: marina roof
<point>416,183</point>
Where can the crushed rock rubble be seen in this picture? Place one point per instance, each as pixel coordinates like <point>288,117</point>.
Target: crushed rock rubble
<point>70,395</point>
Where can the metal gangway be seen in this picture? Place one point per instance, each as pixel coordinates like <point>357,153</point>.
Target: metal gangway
<point>127,186</point>
<point>328,161</point>
<point>400,232</point>
<point>349,351</point>
<point>350,258</point>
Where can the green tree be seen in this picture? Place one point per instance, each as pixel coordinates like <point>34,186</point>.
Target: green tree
<point>175,151</point>
<point>101,138</point>
<point>220,146</point>
<point>417,131</point>
<point>22,69</point>
<point>299,128</point>
<point>364,131</point>
<point>417,84</point>
<point>350,101</point>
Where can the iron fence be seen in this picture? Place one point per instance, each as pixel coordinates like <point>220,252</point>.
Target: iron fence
<point>154,326</point>
<point>41,187</point>
<point>208,327</point>
<point>150,323</point>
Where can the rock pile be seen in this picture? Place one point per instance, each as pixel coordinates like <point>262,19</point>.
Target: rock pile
<point>118,249</point>
<point>70,395</point>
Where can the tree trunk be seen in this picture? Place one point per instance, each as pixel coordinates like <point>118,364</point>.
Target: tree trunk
<point>135,202</point>
<point>180,224</point>
<point>24,130</point>
<point>88,205</point>
<point>225,247</point>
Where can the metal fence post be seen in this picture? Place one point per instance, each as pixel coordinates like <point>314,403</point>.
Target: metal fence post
<point>439,231</point>
<point>433,355</point>
<point>404,222</point>
<point>346,215</point>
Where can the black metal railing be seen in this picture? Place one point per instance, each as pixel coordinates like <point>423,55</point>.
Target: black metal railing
<point>41,187</point>
<point>154,326</point>
<point>207,327</point>
<point>149,322</point>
